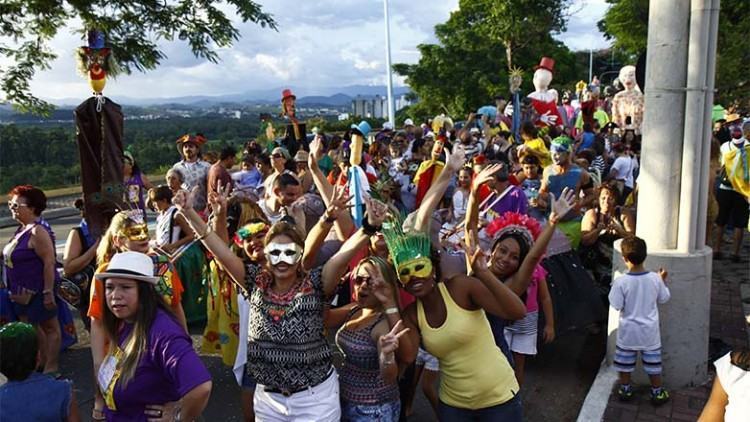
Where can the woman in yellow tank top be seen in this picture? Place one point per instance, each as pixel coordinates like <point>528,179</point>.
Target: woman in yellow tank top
<point>476,379</point>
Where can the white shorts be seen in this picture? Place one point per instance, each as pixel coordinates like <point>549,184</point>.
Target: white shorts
<point>522,343</point>
<point>315,404</point>
<point>429,362</point>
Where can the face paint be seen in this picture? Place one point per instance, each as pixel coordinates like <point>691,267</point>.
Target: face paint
<point>136,233</point>
<point>288,253</point>
<point>416,268</point>
<point>437,148</point>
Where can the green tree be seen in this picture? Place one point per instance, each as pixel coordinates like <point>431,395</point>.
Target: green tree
<point>477,46</point>
<point>626,23</point>
<point>132,29</point>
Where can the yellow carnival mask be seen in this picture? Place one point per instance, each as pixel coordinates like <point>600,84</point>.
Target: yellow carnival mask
<point>416,268</point>
<point>137,233</point>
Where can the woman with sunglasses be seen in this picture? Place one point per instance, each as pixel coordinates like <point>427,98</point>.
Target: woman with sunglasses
<point>371,338</point>
<point>128,232</point>
<point>29,261</point>
<point>287,351</point>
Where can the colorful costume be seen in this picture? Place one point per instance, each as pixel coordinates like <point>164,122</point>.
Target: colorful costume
<point>628,103</point>
<point>543,99</point>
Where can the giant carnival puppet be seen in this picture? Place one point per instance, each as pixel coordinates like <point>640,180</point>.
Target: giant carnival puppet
<point>627,106</point>
<point>544,99</point>
<point>358,186</point>
<point>99,131</point>
<point>295,137</point>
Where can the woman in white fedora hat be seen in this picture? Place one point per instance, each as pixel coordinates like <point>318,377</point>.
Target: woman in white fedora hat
<point>152,371</point>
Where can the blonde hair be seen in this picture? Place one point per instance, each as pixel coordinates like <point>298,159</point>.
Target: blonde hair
<point>386,269</point>
<point>107,247</point>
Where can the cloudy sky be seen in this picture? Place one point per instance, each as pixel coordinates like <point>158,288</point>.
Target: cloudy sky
<point>322,43</point>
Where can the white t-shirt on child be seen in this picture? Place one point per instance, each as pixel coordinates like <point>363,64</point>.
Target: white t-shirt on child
<point>636,297</point>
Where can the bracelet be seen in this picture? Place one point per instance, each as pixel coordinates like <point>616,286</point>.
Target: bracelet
<point>385,361</point>
<point>329,220</point>
<point>47,291</point>
<point>390,311</point>
<point>203,236</point>
<point>368,229</point>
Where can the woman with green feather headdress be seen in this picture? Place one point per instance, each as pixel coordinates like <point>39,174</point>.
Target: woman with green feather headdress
<point>450,315</point>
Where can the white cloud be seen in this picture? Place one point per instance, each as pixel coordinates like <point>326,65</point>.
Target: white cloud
<point>319,44</point>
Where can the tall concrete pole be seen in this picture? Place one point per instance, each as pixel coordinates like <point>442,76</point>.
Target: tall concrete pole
<point>389,72</point>
<point>696,140</point>
<point>661,152</point>
<point>715,8</point>
<point>591,65</point>
<point>673,170</point>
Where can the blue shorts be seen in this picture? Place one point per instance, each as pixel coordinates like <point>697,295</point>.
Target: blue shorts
<point>510,411</point>
<point>625,360</point>
<point>385,412</point>
<point>34,312</point>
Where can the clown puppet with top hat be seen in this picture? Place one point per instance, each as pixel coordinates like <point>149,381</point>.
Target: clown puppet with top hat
<point>295,137</point>
<point>544,99</point>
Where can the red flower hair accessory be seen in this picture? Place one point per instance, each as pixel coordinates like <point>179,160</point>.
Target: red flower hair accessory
<point>513,222</point>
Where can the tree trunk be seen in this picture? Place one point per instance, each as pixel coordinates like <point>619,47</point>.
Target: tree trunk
<point>509,54</point>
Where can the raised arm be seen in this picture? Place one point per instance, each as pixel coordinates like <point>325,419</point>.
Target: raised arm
<point>226,258</point>
<point>472,207</point>
<point>337,265</point>
<point>344,224</point>
<point>454,161</point>
<point>519,282</point>
<point>314,240</point>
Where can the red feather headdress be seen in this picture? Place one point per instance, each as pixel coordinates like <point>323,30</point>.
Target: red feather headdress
<point>513,222</point>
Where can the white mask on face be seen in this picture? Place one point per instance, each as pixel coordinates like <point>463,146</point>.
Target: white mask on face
<point>288,253</point>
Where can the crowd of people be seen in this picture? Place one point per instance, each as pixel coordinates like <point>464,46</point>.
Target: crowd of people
<point>426,250</point>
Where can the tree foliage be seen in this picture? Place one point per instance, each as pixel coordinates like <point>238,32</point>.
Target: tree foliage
<point>476,47</point>
<point>132,30</point>
<point>626,23</point>
<point>46,155</point>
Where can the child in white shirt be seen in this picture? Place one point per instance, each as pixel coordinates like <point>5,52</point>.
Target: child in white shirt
<point>636,295</point>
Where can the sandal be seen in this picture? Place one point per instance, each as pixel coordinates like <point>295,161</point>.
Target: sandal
<point>98,415</point>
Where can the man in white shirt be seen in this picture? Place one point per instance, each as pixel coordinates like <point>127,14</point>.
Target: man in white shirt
<point>193,168</point>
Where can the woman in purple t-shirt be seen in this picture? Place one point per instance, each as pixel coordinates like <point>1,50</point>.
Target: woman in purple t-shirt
<point>153,372</point>
<point>136,183</point>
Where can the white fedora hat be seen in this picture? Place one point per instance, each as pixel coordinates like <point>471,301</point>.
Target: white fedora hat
<point>131,265</point>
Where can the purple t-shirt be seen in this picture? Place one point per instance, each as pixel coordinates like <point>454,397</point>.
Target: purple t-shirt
<point>513,200</point>
<point>168,370</point>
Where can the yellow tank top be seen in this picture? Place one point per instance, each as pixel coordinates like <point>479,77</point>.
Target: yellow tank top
<point>474,373</point>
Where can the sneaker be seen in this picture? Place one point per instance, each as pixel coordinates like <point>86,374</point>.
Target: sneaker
<point>660,398</point>
<point>625,393</point>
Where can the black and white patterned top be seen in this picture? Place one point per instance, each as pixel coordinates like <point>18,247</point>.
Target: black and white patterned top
<point>287,347</point>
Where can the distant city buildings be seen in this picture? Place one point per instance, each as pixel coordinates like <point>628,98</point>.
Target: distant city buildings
<point>376,106</point>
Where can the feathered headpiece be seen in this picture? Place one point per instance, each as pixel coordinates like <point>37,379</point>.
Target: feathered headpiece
<point>249,230</point>
<point>404,247</point>
<point>513,222</point>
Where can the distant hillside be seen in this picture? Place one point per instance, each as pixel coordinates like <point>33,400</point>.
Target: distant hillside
<point>326,96</point>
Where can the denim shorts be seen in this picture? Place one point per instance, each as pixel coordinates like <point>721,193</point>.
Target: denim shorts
<point>385,412</point>
<point>510,411</point>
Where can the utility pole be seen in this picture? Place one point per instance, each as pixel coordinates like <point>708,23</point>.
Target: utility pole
<point>389,77</point>
<point>591,65</point>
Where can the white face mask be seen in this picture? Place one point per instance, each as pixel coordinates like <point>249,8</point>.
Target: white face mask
<point>288,253</point>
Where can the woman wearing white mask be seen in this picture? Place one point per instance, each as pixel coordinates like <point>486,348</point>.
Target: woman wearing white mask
<point>288,354</point>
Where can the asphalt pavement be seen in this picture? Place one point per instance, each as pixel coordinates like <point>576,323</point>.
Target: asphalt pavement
<point>557,379</point>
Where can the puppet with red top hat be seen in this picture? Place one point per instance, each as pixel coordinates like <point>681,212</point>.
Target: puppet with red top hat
<point>295,137</point>
<point>544,99</point>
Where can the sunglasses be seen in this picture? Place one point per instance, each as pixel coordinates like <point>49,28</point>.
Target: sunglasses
<point>362,279</point>
<point>277,156</point>
<point>15,205</point>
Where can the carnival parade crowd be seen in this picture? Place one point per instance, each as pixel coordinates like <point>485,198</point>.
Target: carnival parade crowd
<point>445,249</point>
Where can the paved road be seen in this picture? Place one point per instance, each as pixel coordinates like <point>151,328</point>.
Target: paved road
<point>557,379</point>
